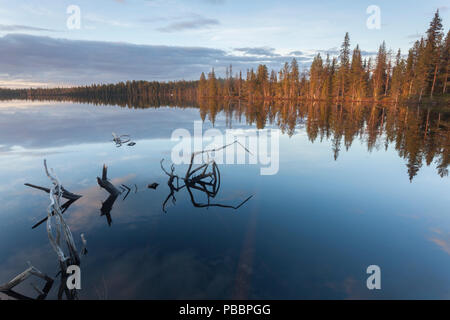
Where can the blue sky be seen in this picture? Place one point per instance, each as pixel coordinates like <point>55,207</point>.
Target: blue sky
<point>174,39</point>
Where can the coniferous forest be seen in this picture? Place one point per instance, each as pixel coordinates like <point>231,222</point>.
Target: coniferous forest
<point>420,74</point>
<point>423,72</point>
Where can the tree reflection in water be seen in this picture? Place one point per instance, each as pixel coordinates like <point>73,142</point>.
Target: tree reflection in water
<point>419,134</point>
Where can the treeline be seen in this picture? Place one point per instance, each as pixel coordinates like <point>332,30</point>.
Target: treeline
<point>129,92</point>
<point>423,72</point>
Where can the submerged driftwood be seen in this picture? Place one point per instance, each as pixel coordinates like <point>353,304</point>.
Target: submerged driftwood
<point>114,192</point>
<point>119,140</point>
<point>61,240</point>
<point>65,194</point>
<point>204,178</point>
<point>59,224</point>
<point>61,230</point>
<point>173,189</point>
<point>7,288</point>
<point>106,184</point>
<point>71,198</point>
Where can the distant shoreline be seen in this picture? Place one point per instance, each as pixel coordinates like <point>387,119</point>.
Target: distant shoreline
<point>439,101</point>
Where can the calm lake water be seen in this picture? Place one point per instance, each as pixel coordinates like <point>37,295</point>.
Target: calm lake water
<point>357,186</point>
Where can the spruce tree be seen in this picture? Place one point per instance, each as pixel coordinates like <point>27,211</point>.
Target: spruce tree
<point>432,50</point>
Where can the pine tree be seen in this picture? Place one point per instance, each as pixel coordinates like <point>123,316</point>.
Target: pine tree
<point>379,73</point>
<point>228,84</point>
<point>388,73</point>
<point>327,89</point>
<point>262,83</point>
<point>273,83</point>
<point>421,68</point>
<point>409,73</point>
<point>285,80</point>
<point>398,76</point>
<point>315,77</point>
<point>202,85</point>
<point>445,62</point>
<point>344,59</point>
<point>212,84</point>
<point>294,79</point>
<point>357,85</point>
<point>432,50</point>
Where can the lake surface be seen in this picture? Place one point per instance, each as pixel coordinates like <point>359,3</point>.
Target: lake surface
<point>356,186</point>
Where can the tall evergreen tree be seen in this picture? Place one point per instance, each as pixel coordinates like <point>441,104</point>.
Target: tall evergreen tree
<point>294,79</point>
<point>212,84</point>
<point>379,72</point>
<point>344,60</point>
<point>262,80</point>
<point>421,68</point>
<point>433,50</point>
<point>202,85</point>
<point>357,83</point>
<point>316,77</point>
<point>445,63</point>
<point>398,76</point>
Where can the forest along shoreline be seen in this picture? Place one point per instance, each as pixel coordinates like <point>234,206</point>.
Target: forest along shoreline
<point>422,75</point>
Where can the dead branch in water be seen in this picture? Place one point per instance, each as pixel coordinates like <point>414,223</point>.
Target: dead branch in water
<point>61,228</point>
<point>207,180</point>
<point>60,237</point>
<point>107,207</point>
<point>172,188</point>
<point>119,140</point>
<point>71,198</point>
<point>113,191</point>
<point>8,287</point>
<point>190,172</point>
<point>105,184</point>
<point>64,208</point>
<point>65,194</point>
